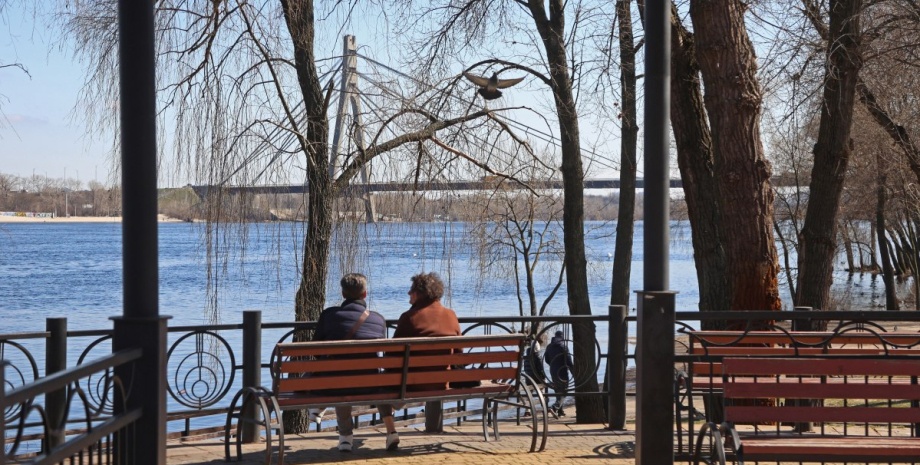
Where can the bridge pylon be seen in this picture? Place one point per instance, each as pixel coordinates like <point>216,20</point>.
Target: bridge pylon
<point>349,99</point>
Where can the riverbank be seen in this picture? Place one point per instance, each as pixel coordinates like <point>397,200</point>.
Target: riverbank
<point>76,219</point>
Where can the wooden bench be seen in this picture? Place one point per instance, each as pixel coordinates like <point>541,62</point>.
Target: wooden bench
<point>367,372</point>
<point>700,378</point>
<point>708,348</point>
<point>868,410</point>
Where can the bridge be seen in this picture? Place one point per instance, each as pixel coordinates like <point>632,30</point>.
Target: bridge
<point>428,186</point>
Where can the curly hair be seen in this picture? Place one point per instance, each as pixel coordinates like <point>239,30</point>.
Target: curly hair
<point>428,285</point>
<point>353,286</point>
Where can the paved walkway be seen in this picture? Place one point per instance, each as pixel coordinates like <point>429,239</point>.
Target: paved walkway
<point>568,443</point>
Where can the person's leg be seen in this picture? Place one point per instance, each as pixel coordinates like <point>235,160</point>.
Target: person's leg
<point>346,428</point>
<point>557,393</point>
<point>386,414</point>
<point>562,390</point>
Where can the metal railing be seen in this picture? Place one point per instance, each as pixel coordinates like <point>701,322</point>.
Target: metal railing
<point>206,365</point>
<point>107,434</point>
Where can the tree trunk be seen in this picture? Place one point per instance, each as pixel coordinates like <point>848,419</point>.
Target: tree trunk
<point>832,153</point>
<point>787,262</point>
<point>742,175</point>
<point>891,293</point>
<point>873,246</point>
<point>695,161</point>
<point>552,32</point>
<point>311,293</point>
<point>848,247</point>
<point>622,256</point>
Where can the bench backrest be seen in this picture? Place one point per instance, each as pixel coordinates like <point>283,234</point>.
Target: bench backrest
<point>853,390</point>
<point>397,368</point>
<point>719,344</point>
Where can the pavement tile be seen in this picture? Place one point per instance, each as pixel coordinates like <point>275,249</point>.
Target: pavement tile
<point>568,443</point>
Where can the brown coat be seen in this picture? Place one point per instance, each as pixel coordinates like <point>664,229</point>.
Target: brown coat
<point>428,319</point>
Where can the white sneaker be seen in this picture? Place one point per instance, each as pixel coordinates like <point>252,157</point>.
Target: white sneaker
<point>345,443</point>
<point>316,415</point>
<point>392,441</point>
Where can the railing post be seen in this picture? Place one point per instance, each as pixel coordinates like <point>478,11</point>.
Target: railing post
<point>655,379</point>
<point>252,369</point>
<point>55,361</point>
<point>616,367</point>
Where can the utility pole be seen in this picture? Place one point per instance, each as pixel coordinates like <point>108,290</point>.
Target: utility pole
<point>349,97</point>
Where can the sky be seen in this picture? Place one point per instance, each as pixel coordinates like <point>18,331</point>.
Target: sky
<point>41,132</point>
<point>38,134</point>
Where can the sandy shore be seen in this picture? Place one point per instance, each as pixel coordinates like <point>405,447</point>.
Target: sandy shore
<point>77,219</point>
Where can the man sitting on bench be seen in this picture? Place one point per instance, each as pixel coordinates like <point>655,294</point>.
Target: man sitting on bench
<point>352,320</point>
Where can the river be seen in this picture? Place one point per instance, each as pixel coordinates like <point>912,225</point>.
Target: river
<point>74,270</point>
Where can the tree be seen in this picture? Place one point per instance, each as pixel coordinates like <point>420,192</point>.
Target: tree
<point>518,236</point>
<point>831,155</point>
<point>891,298</point>
<point>733,102</point>
<point>468,28</point>
<point>622,259</point>
<point>695,160</point>
<point>246,97</point>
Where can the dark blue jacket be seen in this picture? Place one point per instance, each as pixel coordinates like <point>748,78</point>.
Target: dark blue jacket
<point>336,322</point>
<point>559,359</point>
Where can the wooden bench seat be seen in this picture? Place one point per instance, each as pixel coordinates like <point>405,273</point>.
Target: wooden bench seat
<point>367,372</point>
<point>868,410</point>
<point>833,448</point>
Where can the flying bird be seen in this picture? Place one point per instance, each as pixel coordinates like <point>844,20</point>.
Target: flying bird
<point>488,87</point>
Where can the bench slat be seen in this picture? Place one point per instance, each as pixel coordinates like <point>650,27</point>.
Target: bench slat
<point>866,349</point>
<point>792,388</point>
<point>321,348</point>
<point>803,337</point>
<point>760,414</point>
<point>706,382</point>
<point>302,400</point>
<point>389,379</point>
<point>392,362</point>
<point>823,366</point>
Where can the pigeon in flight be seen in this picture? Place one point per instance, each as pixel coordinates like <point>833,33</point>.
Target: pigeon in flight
<point>488,87</point>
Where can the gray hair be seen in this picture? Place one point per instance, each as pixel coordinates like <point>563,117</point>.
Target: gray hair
<point>354,285</point>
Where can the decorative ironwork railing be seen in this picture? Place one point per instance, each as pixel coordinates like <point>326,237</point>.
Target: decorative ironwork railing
<point>206,365</point>
<point>107,430</point>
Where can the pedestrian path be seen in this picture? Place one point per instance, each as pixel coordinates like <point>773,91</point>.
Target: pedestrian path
<point>568,443</point>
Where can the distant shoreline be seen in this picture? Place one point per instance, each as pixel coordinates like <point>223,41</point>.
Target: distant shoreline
<point>76,219</point>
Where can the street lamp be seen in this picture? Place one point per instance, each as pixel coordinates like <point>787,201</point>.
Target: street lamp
<point>66,202</point>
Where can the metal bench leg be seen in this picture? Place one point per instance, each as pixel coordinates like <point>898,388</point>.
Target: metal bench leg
<point>277,409</point>
<point>228,425</point>
<point>490,415</point>
<point>537,404</point>
<point>267,421</point>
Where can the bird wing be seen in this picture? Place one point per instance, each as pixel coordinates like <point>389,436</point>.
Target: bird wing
<point>478,80</point>
<point>503,83</point>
